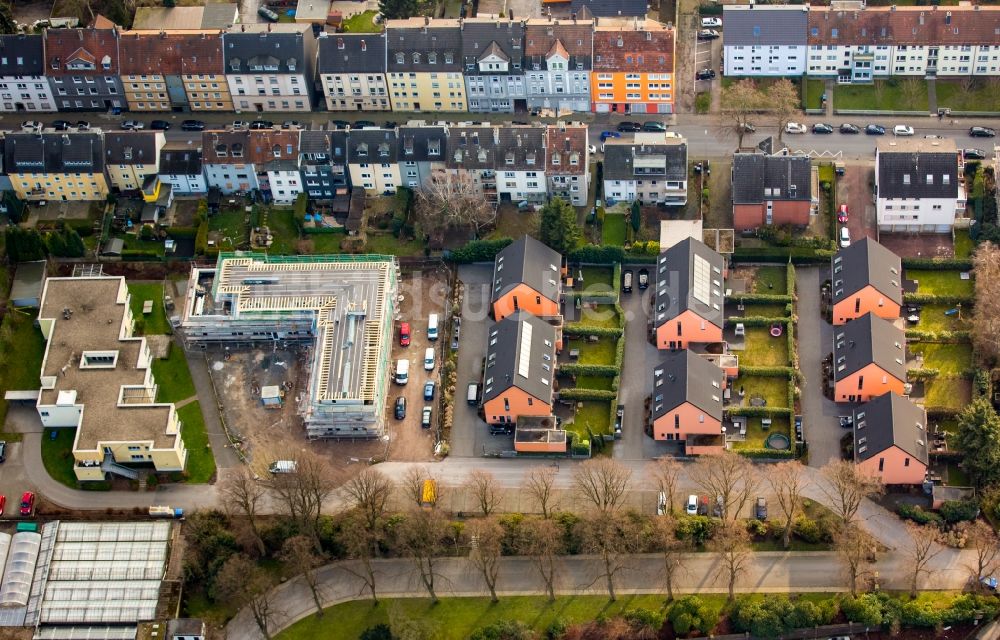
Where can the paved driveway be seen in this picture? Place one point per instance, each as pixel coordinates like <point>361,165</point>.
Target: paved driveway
<point>854,191</point>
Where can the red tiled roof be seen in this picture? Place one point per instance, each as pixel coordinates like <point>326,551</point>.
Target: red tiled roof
<point>171,52</point>
<point>905,26</point>
<point>264,143</point>
<point>62,44</point>
<point>564,140</point>
<point>624,48</point>
<point>541,35</point>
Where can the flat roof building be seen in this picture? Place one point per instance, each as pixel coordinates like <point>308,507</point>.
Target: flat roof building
<point>344,305</point>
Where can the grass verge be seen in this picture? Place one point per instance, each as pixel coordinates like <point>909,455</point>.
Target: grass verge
<point>57,456</point>
<point>21,350</point>
<point>155,322</point>
<point>883,95</point>
<point>173,376</point>
<point>201,462</point>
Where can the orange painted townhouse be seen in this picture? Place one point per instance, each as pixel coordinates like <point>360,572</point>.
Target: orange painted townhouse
<point>633,67</point>
<point>687,402</point>
<point>689,295</point>
<point>527,275</point>
<point>866,279</point>
<point>890,439</point>
<point>520,368</point>
<point>869,359</point>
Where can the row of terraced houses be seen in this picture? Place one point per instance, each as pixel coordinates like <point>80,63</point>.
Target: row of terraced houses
<point>477,65</point>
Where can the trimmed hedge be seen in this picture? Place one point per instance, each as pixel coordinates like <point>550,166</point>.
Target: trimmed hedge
<point>602,297</point>
<point>182,232</point>
<point>321,230</point>
<point>576,369</point>
<point>755,321</point>
<point>587,394</point>
<point>760,412</point>
<point>930,298</point>
<point>760,298</point>
<point>937,264</point>
<point>140,254</point>
<point>797,255</point>
<point>767,453</point>
<point>478,251</point>
<point>767,372</point>
<point>922,374</point>
<point>938,336</point>
<point>597,254</point>
<point>577,329</point>
<point>790,279</point>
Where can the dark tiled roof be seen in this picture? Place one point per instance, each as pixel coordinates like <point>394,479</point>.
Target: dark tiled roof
<point>611,8</point>
<point>520,344</point>
<point>542,36</point>
<point>689,276</point>
<point>917,174</point>
<point>866,340</point>
<point>219,146</point>
<point>352,53</point>
<point>171,53</point>
<point>888,420</point>
<point>442,38</point>
<point>338,147</point>
<point>472,148</point>
<point>527,261</point>
<point>865,263</point>
<point>373,146</point>
<point>758,177</point>
<point>501,38</point>
<point>180,162</point>
<point>683,376</point>
<point>22,55</point>
<point>522,148</point>
<point>63,47</point>
<point>54,153</point>
<point>314,142</point>
<point>562,141</point>
<point>422,144</point>
<point>619,160</point>
<point>891,26</point>
<point>130,147</point>
<point>648,49</point>
<point>748,25</point>
<point>286,50</point>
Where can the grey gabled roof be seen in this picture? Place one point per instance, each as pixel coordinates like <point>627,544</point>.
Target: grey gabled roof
<point>503,38</point>
<point>282,49</point>
<point>372,146</point>
<point>314,142</point>
<point>443,38</point>
<point>689,276</point>
<point>423,144</point>
<point>527,261</point>
<point>352,53</point>
<point>758,177</point>
<point>683,376</point>
<point>472,147</point>
<point>611,8</point>
<point>521,148</point>
<point>520,344</point>
<point>890,420</point>
<point>22,55</point>
<point>130,147</point>
<point>748,25</point>
<point>619,160</point>
<point>338,147</point>
<point>866,340</point>
<point>54,153</point>
<point>917,174</point>
<point>865,263</point>
<point>180,162</point>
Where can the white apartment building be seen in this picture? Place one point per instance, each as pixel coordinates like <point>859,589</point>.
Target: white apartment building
<point>182,170</point>
<point>270,67</point>
<point>917,185</point>
<point>352,71</point>
<point>764,40</point>
<point>373,161</point>
<point>558,58</point>
<point>521,164</point>
<point>23,86</point>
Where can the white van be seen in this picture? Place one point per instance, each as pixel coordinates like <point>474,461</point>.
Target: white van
<point>432,327</point>
<point>402,371</point>
<point>472,394</point>
<point>429,359</point>
<point>282,466</point>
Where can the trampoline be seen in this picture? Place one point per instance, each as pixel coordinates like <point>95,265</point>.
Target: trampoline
<point>777,441</point>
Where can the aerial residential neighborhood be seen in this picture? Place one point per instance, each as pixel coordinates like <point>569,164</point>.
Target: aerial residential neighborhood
<point>499,320</point>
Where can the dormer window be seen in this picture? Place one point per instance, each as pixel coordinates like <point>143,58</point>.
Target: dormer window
<point>363,150</point>
<point>434,148</point>
<point>106,63</point>
<point>416,57</point>
<point>400,58</point>
<point>128,153</point>
<point>556,159</point>
<point>448,58</point>
<point>574,159</point>
<point>482,156</point>
<point>292,62</point>
<point>221,150</point>
<point>530,157</point>
<point>340,44</point>
<point>276,150</point>
<point>458,156</point>
<point>234,64</point>
<point>432,58</point>
<point>237,150</point>
<point>383,150</point>
<point>509,158</point>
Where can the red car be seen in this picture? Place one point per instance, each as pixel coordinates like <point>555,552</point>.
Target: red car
<point>842,214</point>
<point>3,503</point>
<point>27,503</point>
<point>404,334</point>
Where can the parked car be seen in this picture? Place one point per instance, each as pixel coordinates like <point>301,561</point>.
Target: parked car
<point>61,125</point>
<point>628,127</point>
<point>822,128</point>
<point>133,125</point>
<point>592,149</point>
<point>261,124</point>
<point>609,134</point>
<point>691,508</point>
<point>159,125</point>
<point>239,125</point>
<point>3,503</point>
<point>404,334</point>
<point>82,125</point>
<point>361,124</point>
<point>291,124</point>
<point>702,505</point>
<point>849,128</point>
<point>711,22</point>
<point>795,127</point>
<point>798,429</point>
<point>982,132</point>
<point>974,154</point>
<point>429,390</point>
<point>27,503</point>
<point>842,214</point>
<point>31,125</point>
<point>875,130</point>
<point>627,281</point>
<point>845,237</point>
<point>708,34</point>
<point>619,420</point>
<point>193,125</point>
<point>653,125</point>
<point>425,418</point>
<point>400,408</point>
<point>760,509</point>
<point>3,451</point>
<point>902,130</point>
<point>267,14</point>
<point>748,127</point>
<point>340,125</point>
<point>643,278</point>
<point>704,74</point>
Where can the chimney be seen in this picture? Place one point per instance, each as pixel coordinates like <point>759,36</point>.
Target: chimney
<point>364,47</point>
<point>427,21</point>
<point>892,8</point>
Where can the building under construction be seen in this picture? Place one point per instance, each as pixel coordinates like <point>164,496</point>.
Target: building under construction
<point>343,306</point>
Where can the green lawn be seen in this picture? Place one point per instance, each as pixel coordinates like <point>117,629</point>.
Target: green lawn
<point>173,377</point>
<point>388,244</point>
<point>765,310</point>
<point>613,229</point>
<point>600,315</point>
<point>594,382</point>
<point>960,96</point>
<point>940,283</point>
<point>57,456</point>
<point>955,393</point>
<point>362,23</point>
<point>763,350</point>
<point>595,414</point>
<point>286,234</point>
<point>893,95</point>
<point>963,244</point>
<point>229,225</point>
<point>813,93</point>
<point>154,322</point>
<point>827,172</point>
<point>593,276</point>
<point>756,435</point>
<point>771,280</point>
<point>774,390</point>
<point>21,350</point>
<point>512,223</point>
<point>325,244</point>
<point>955,477</point>
<point>932,318</point>
<point>200,463</point>
<point>600,352</point>
<point>134,242</point>
<point>950,359</point>
<point>703,102</point>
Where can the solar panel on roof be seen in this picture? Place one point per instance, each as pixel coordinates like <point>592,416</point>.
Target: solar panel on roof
<point>524,354</point>
<point>702,285</point>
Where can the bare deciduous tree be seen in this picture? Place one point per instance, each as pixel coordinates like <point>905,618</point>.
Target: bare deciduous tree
<point>787,483</point>
<point>543,542</point>
<point>302,493</point>
<point>369,492</point>
<point>613,537</point>
<point>448,201</point>
<point>412,484</point>
<point>728,478</point>
<point>485,490</point>
<point>666,472</point>
<point>361,545</point>
<point>783,99</point>
<point>603,482</point>
<point>740,102</point>
<point>300,556</point>
<point>540,485</point>
<point>421,536</point>
<point>241,583</point>
<point>672,550</point>
<point>986,313</point>
<point>242,494</point>
<point>983,541</point>
<point>856,549</point>
<point>732,542</point>
<point>846,485</point>
<point>485,550</point>
<point>923,548</point>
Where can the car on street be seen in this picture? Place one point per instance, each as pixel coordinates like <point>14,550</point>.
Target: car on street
<point>425,418</point>
<point>82,125</point>
<point>982,132</point>
<point>974,154</point>
<point>267,14</point>
<point>400,411</point>
<point>429,390</point>
<point>361,124</point>
<point>240,125</point>
<point>691,507</point>
<point>619,420</point>
<point>760,509</point>
<point>340,125</point>
<point>875,130</point>
<point>849,128</point>
<point>845,237</point>
<point>261,124</point>
<point>933,136</point>
<point>654,126</point>
<point>711,22</point>
<point>704,74</point>
<point>133,125</point>
<point>748,127</point>
<point>159,125</point>
<point>842,216</point>
<point>31,125</point>
<point>795,127</point>
<point>628,127</point>
<point>27,503</point>
<point>61,125</point>
<point>708,34</point>
<point>291,124</point>
<point>643,278</point>
<point>609,134</point>
<point>822,128</point>
<point>3,503</point>
<point>902,130</point>
<point>592,149</point>
<point>192,125</point>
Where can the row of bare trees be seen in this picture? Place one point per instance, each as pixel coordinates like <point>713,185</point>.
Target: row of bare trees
<point>744,101</point>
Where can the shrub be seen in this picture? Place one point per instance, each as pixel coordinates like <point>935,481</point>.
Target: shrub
<point>182,233</point>
<point>577,329</point>
<point>807,530</point>
<point>378,632</point>
<point>597,254</point>
<point>757,528</point>
<point>503,630</point>
<point>587,394</point>
<point>959,510</point>
<point>576,369</point>
<point>937,264</point>
<point>690,613</point>
<point>479,251</point>
<point>556,629</point>
<point>776,615</point>
<point>640,619</point>
<point>866,609</point>
<point>697,529</point>
<point>917,514</point>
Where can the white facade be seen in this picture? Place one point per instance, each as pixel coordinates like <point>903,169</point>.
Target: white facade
<point>286,185</point>
<point>522,185</point>
<point>765,60</point>
<point>274,92</point>
<point>375,178</point>
<point>231,178</point>
<point>183,184</point>
<point>919,215</point>
<point>558,89</point>
<point>355,92</point>
<point>864,63</point>
<point>26,93</point>
<point>673,192</point>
